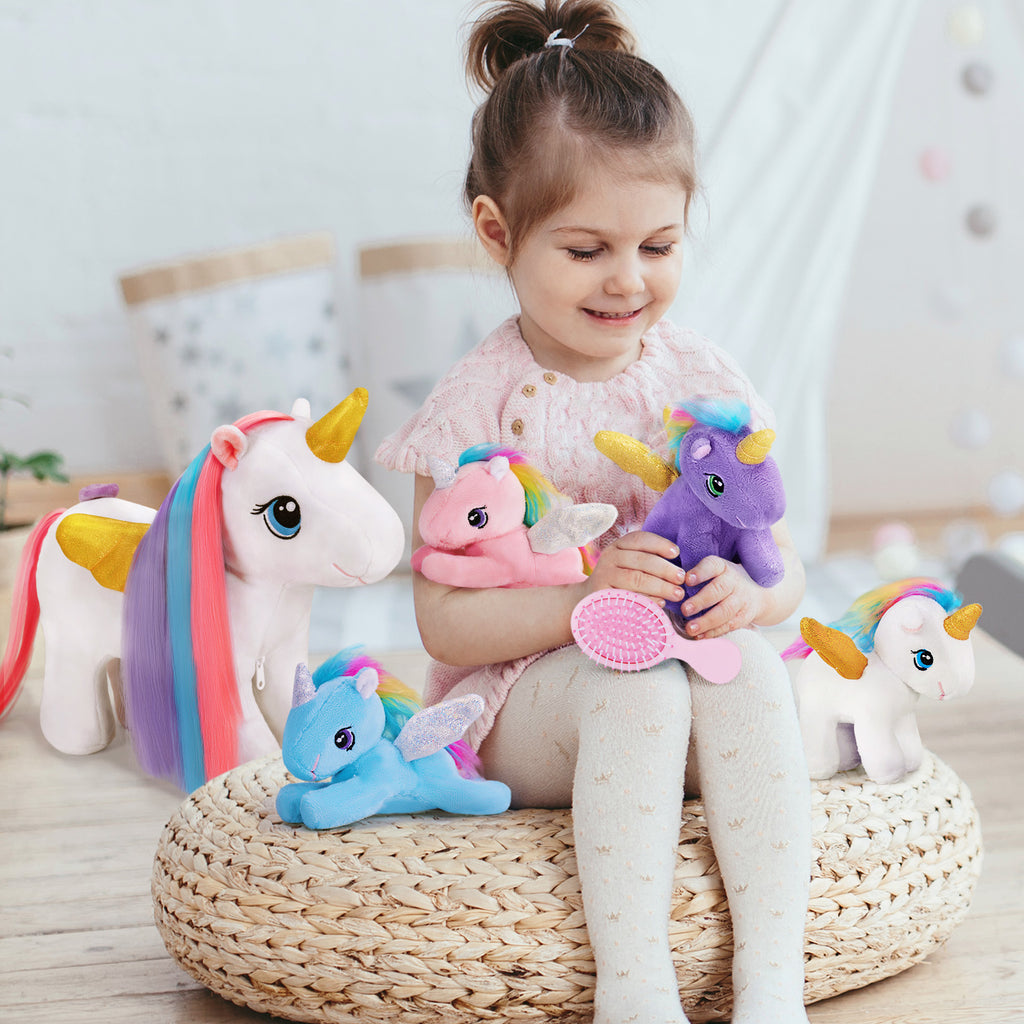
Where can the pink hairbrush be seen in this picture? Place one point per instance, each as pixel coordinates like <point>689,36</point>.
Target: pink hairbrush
<point>627,631</point>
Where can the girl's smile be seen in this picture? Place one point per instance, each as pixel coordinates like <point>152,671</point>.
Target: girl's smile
<point>614,317</point>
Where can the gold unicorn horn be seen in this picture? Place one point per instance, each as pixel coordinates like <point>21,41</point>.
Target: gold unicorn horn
<point>754,448</point>
<point>962,621</point>
<point>330,438</point>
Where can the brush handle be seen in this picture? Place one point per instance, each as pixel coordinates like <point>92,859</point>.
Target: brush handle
<point>717,659</point>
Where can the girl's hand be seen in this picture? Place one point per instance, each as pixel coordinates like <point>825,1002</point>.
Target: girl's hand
<point>639,562</point>
<point>729,599</point>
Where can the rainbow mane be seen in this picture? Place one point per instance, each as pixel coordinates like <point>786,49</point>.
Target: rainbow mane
<point>400,702</point>
<point>730,414</point>
<point>860,620</point>
<point>541,494</point>
<point>181,696</point>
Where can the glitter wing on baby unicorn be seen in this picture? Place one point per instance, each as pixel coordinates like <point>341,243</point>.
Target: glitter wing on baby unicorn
<point>724,494</point>
<point>362,744</point>
<point>495,521</point>
<point>863,676</point>
<point>189,608</point>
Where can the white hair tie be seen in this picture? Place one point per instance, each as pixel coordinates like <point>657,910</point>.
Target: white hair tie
<point>553,39</point>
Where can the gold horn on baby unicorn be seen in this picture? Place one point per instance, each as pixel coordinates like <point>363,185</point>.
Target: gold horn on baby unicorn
<point>754,448</point>
<point>863,675</point>
<point>186,608</point>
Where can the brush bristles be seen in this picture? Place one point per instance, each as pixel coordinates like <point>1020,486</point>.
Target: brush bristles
<point>620,630</point>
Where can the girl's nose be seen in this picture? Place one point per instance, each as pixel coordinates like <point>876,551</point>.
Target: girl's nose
<point>626,277</point>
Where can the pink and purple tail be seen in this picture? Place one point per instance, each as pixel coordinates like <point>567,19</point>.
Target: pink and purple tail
<point>24,616</point>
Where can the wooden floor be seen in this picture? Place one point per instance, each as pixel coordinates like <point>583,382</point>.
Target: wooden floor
<point>77,836</point>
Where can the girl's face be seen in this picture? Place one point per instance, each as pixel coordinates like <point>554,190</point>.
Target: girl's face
<point>593,277</point>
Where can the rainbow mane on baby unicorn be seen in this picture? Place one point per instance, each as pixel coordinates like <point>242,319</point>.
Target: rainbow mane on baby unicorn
<point>198,612</point>
<point>860,621</point>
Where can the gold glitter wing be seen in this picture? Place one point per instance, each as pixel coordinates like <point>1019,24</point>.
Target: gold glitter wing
<point>103,546</point>
<point>834,648</point>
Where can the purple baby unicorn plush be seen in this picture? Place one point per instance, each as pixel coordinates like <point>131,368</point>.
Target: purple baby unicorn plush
<point>725,494</point>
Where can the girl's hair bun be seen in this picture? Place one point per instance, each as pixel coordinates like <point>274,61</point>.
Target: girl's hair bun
<point>514,29</point>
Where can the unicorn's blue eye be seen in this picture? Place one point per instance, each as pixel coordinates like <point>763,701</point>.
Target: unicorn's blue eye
<point>477,518</point>
<point>715,485</point>
<point>923,660</point>
<point>282,516</point>
<point>344,739</point>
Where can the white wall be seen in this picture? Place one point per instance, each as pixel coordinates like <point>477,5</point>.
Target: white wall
<point>933,309</point>
<point>137,132</point>
<point>134,132</point>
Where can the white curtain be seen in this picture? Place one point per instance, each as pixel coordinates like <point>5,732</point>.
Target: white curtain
<point>788,172</point>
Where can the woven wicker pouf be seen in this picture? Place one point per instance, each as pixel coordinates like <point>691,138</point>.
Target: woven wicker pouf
<point>426,918</point>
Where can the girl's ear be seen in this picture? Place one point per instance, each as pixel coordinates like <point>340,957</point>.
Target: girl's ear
<point>492,229</point>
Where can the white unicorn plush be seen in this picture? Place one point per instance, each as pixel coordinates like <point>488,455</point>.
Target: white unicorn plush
<point>188,608</point>
<point>859,686</point>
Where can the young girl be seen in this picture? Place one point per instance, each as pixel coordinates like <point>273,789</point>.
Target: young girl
<point>579,185</point>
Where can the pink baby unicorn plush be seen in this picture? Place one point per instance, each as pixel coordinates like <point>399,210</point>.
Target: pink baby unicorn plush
<point>494,521</point>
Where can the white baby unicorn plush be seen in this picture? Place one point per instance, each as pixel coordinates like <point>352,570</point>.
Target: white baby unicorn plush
<point>862,677</point>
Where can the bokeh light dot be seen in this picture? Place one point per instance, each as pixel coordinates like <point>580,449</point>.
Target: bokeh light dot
<point>981,220</point>
<point>1012,545</point>
<point>962,538</point>
<point>971,428</point>
<point>977,78</point>
<point>966,25</point>
<point>1011,355</point>
<point>895,555</point>
<point>935,164</point>
<point>1006,492</point>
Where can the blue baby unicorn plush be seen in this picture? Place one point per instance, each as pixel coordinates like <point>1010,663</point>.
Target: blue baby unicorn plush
<point>355,734</point>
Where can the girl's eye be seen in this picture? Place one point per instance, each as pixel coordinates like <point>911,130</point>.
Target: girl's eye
<point>344,739</point>
<point>281,515</point>
<point>477,518</point>
<point>583,255</point>
<point>715,485</point>
<point>658,250</point>
<point>923,660</point>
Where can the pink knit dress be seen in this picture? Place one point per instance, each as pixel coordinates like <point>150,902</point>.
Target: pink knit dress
<point>497,394</point>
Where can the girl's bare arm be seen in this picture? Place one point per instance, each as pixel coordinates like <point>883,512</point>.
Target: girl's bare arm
<point>481,627</point>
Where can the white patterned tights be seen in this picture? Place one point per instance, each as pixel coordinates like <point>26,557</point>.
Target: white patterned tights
<point>613,746</point>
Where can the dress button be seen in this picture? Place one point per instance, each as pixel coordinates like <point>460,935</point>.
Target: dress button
<point>517,427</point>
<point>550,378</point>
<point>529,390</point>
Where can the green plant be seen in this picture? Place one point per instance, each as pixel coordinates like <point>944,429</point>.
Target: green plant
<point>43,465</point>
